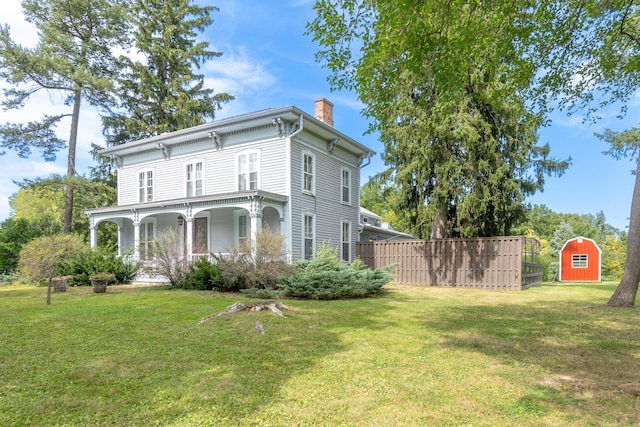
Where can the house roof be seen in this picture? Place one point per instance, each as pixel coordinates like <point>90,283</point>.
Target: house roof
<point>368,213</point>
<point>386,231</point>
<point>289,114</point>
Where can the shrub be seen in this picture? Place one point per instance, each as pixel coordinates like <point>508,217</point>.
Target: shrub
<point>202,275</point>
<point>101,260</point>
<point>168,258</point>
<point>326,277</point>
<point>259,266</point>
<point>40,257</point>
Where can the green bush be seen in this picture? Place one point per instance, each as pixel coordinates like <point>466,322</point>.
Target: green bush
<point>326,277</point>
<point>202,275</point>
<point>89,262</point>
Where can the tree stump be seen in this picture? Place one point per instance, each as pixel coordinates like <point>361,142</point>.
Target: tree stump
<point>273,306</point>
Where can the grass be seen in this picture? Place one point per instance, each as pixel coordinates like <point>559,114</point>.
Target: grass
<point>553,355</point>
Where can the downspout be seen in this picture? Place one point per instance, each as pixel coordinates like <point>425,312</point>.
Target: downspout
<point>361,164</point>
<point>365,156</point>
<point>300,126</point>
<point>289,211</point>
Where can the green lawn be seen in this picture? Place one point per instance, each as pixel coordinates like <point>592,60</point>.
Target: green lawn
<point>552,355</point>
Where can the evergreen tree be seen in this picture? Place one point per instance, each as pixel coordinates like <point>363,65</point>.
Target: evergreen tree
<point>444,84</point>
<point>578,54</point>
<point>72,57</point>
<point>160,91</point>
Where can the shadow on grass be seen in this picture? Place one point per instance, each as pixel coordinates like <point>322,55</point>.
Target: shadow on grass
<point>242,371</point>
<point>139,357</point>
<point>576,344</point>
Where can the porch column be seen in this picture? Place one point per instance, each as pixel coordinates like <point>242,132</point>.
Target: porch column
<point>136,240</point>
<point>93,241</point>
<point>256,225</point>
<point>189,242</point>
<point>92,236</point>
<point>255,215</point>
<point>120,239</point>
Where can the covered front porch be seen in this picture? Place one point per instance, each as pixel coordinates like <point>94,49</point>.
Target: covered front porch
<point>202,225</point>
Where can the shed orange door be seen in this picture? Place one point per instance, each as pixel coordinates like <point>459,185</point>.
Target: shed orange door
<point>580,261</point>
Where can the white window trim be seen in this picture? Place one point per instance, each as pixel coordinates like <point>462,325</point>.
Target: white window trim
<point>314,172</point>
<point>313,234</point>
<point>236,224</point>
<point>247,173</point>
<point>193,163</point>
<point>153,187</point>
<point>342,241</point>
<point>342,186</point>
<point>577,259</point>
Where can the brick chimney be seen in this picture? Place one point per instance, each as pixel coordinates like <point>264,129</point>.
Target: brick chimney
<point>324,111</point>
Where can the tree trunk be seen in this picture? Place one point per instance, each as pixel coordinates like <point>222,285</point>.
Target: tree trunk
<point>71,162</point>
<point>625,294</point>
<point>438,228</point>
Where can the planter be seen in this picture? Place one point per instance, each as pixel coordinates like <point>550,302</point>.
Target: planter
<point>99,282</point>
<point>99,285</point>
<point>60,283</point>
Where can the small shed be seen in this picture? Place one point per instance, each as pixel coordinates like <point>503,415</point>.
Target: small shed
<point>580,261</point>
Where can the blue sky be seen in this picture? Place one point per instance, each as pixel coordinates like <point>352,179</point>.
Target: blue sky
<point>268,62</point>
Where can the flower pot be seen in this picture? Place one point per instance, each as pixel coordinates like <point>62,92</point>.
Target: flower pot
<point>60,283</point>
<point>99,285</point>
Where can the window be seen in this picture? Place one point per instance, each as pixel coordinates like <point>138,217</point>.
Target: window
<point>346,241</point>
<point>194,178</point>
<point>242,226</point>
<point>145,186</point>
<point>248,171</point>
<point>308,236</point>
<point>579,261</point>
<point>200,240</point>
<point>346,186</point>
<point>308,182</point>
<point>147,236</point>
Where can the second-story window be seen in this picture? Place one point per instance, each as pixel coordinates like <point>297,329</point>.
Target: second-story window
<point>248,171</point>
<point>194,178</point>
<point>346,186</point>
<point>145,186</point>
<point>308,167</point>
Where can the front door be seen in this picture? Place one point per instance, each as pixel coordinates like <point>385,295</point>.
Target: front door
<point>200,241</point>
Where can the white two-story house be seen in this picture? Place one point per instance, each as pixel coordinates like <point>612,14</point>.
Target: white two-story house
<point>217,183</point>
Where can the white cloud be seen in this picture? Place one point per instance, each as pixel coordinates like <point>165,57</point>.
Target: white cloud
<point>236,73</point>
<point>22,32</point>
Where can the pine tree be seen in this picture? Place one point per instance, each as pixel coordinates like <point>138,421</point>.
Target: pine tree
<point>160,90</point>
<point>72,57</point>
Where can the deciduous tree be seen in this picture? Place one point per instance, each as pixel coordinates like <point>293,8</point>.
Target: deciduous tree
<point>625,144</point>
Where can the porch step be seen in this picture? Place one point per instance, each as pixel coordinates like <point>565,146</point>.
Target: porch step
<point>145,278</point>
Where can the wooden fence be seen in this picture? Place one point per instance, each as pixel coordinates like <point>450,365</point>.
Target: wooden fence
<point>499,263</point>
